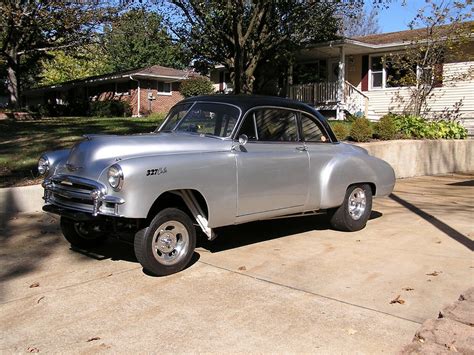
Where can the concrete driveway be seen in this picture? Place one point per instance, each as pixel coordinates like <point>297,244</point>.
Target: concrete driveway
<point>276,286</point>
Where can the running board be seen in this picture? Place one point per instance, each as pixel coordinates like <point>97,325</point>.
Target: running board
<point>196,210</point>
<point>302,214</point>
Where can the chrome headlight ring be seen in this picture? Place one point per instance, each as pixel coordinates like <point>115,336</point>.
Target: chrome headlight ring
<point>43,165</point>
<point>115,177</point>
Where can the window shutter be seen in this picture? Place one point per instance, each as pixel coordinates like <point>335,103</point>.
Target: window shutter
<point>438,75</point>
<point>365,73</point>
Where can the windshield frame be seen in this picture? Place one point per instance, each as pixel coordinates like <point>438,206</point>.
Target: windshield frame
<point>237,123</point>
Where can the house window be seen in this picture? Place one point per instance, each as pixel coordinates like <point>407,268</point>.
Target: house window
<point>377,72</point>
<point>385,73</point>
<point>164,88</point>
<point>122,88</point>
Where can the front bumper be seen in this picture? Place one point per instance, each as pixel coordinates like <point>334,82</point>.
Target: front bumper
<point>80,194</point>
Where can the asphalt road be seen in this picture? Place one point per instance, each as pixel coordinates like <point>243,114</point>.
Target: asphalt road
<point>275,286</point>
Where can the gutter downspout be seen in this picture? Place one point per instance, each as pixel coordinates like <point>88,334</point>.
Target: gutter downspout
<point>139,95</point>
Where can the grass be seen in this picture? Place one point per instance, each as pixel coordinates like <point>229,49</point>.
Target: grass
<point>23,142</point>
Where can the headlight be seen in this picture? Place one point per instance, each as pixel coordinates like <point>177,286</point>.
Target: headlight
<point>43,165</point>
<point>115,177</point>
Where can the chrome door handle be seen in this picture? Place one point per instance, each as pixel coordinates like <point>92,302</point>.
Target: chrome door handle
<point>301,149</point>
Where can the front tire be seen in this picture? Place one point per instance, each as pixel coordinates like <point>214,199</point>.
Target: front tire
<point>167,245</point>
<point>82,234</point>
<point>355,211</point>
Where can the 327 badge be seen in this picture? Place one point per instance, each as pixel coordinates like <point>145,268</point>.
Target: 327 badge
<point>158,171</point>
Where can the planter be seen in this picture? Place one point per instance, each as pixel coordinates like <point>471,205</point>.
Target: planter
<point>424,157</point>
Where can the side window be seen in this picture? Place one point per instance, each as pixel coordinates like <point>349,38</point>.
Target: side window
<point>312,131</point>
<point>276,125</point>
<point>248,127</point>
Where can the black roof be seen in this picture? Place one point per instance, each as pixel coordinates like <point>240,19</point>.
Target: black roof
<point>246,102</point>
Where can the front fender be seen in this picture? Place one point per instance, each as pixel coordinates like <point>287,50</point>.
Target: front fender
<point>212,174</point>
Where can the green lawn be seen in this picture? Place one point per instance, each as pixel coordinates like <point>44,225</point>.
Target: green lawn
<point>23,142</point>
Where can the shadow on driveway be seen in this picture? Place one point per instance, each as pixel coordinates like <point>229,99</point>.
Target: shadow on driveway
<point>443,227</point>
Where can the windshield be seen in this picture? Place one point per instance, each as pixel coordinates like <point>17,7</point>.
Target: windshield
<point>203,118</point>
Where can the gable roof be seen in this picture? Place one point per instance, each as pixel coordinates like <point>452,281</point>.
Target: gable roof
<point>405,36</point>
<point>155,72</point>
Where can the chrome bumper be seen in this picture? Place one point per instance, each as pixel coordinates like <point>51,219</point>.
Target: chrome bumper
<point>80,194</point>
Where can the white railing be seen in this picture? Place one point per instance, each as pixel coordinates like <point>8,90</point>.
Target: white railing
<point>355,100</point>
<point>326,93</point>
<point>314,93</point>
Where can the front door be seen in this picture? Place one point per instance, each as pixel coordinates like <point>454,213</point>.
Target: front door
<point>273,167</point>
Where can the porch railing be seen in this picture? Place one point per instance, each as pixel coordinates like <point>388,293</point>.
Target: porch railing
<point>314,93</point>
<point>320,94</point>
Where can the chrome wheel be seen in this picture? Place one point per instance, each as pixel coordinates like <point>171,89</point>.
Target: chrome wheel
<point>357,203</point>
<point>170,242</point>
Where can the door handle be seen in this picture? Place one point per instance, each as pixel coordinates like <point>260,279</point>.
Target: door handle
<point>301,149</point>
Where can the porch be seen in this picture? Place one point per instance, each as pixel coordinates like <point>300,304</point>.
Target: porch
<point>332,96</point>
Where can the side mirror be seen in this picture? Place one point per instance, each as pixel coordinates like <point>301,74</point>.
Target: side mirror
<point>243,139</point>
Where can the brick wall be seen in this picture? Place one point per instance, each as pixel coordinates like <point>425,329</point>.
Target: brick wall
<point>160,102</point>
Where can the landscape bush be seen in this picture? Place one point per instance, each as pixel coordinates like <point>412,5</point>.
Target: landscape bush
<point>341,130</point>
<point>386,128</point>
<point>361,130</point>
<point>196,86</point>
<point>417,127</point>
<point>110,108</point>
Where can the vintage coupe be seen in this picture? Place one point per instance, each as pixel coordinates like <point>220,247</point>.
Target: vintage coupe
<point>215,161</point>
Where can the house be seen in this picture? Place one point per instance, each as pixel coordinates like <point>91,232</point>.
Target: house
<point>351,75</point>
<point>152,89</point>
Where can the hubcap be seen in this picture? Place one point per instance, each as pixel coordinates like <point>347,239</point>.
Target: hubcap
<point>170,242</point>
<point>357,202</point>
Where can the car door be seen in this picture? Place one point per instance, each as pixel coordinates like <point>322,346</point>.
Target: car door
<point>320,151</point>
<point>273,166</point>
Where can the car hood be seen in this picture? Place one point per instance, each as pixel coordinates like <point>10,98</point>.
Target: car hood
<point>96,152</point>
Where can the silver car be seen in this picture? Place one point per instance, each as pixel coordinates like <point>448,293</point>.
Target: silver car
<point>215,161</point>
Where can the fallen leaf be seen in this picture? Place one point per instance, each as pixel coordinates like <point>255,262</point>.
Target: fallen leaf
<point>435,273</point>
<point>93,339</point>
<point>407,289</point>
<point>109,275</point>
<point>34,284</point>
<point>32,350</point>
<point>438,242</point>
<point>39,299</point>
<point>358,240</point>
<point>242,268</point>
<point>397,300</point>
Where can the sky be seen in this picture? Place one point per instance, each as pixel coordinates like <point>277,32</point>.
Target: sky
<point>397,17</point>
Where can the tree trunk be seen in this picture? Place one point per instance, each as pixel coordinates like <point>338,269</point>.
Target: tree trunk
<point>12,78</point>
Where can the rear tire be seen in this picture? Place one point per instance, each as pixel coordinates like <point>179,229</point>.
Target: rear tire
<point>167,245</point>
<point>355,211</point>
<point>82,234</point>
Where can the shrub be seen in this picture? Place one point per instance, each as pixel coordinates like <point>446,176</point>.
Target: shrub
<point>110,108</point>
<point>361,130</point>
<point>386,129</point>
<point>418,127</point>
<point>196,86</point>
<point>340,130</point>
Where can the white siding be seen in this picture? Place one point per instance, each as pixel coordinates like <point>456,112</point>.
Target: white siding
<point>458,83</point>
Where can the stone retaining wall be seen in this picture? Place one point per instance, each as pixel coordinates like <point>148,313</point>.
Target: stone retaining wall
<point>424,157</point>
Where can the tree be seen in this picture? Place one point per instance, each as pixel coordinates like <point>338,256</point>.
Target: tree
<point>31,27</point>
<point>69,65</point>
<point>138,38</point>
<point>359,22</point>
<point>441,35</point>
<point>243,35</point>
